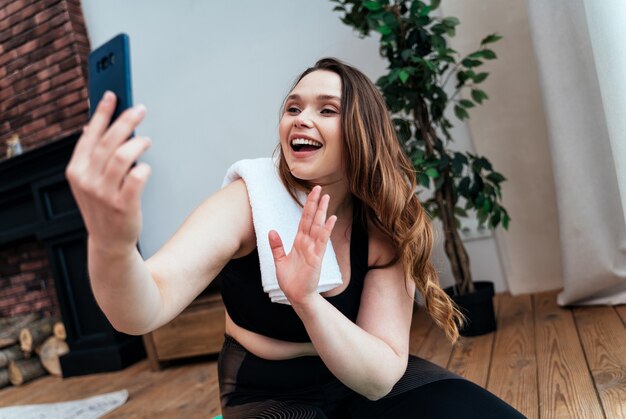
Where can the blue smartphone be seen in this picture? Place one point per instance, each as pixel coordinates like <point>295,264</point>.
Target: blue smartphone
<point>109,69</point>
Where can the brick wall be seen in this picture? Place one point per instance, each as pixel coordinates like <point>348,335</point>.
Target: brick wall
<point>43,98</point>
<point>26,283</point>
<point>43,71</point>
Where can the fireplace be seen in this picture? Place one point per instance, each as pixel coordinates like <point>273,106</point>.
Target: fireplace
<point>43,106</point>
<point>36,204</point>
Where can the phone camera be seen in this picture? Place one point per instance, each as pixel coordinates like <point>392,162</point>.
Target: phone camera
<point>105,62</point>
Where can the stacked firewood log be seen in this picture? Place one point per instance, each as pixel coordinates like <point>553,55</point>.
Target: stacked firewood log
<point>30,347</point>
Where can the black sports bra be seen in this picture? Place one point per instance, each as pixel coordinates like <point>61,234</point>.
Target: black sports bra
<point>250,307</point>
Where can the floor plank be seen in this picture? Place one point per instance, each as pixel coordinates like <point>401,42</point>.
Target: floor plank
<point>420,326</point>
<point>471,357</point>
<point>513,373</point>
<point>189,387</point>
<point>185,389</point>
<point>544,360</point>
<point>604,342</point>
<point>621,311</point>
<point>435,347</point>
<point>565,385</point>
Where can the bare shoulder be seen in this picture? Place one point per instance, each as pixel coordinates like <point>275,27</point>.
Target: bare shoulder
<point>233,199</point>
<point>215,232</point>
<point>381,249</point>
<point>238,192</point>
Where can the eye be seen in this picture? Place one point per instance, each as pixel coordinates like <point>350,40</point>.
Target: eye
<point>292,109</point>
<point>329,111</point>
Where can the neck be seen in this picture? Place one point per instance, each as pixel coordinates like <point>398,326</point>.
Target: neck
<point>340,203</point>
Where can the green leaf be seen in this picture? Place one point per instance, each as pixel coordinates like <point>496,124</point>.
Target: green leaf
<point>433,173</point>
<point>425,11</point>
<point>451,21</point>
<point>505,221</point>
<point>461,157</point>
<point>489,54</point>
<point>480,77</point>
<point>487,205</point>
<point>464,186</point>
<point>438,41</point>
<point>406,54</point>
<point>466,103</point>
<point>482,216</point>
<point>384,30</point>
<point>457,165</point>
<point>439,183</point>
<point>430,65</point>
<point>496,177</point>
<point>460,112</point>
<point>485,163</point>
<point>490,39</point>
<point>423,180</point>
<point>463,76</point>
<point>434,4</point>
<point>372,6</point>
<point>422,20</point>
<point>339,9</point>
<point>468,62</point>
<point>439,29</point>
<point>483,53</point>
<point>404,76</point>
<point>479,95</point>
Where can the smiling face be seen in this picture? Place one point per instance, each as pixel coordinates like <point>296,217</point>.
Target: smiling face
<point>310,129</point>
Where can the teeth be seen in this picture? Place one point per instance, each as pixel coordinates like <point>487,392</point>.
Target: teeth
<point>303,141</point>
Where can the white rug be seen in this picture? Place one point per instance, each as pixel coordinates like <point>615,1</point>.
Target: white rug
<point>90,408</point>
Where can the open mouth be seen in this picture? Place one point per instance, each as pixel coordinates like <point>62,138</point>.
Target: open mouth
<point>302,144</point>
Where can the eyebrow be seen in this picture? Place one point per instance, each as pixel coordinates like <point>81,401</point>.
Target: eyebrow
<point>320,97</point>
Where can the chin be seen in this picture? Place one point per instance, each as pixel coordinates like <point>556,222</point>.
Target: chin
<point>301,174</point>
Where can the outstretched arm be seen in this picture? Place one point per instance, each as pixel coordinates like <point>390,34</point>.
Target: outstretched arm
<point>138,296</point>
<point>369,356</point>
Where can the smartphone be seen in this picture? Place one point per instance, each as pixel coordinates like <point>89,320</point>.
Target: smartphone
<point>109,69</point>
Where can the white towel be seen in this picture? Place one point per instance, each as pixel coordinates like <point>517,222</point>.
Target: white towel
<point>274,209</point>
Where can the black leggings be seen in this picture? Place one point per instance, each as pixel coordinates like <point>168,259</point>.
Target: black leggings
<point>251,387</point>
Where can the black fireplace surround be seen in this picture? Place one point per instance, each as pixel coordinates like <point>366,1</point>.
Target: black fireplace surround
<point>36,202</point>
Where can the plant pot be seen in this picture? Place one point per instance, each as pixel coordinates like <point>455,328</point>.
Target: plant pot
<point>477,308</point>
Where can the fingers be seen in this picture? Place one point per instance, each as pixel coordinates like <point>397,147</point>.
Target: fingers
<point>320,216</point>
<point>276,244</point>
<point>120,162</point>
<point>324,234</point>
<point>95,128</point>
<point>308,212</point>
<point>117,133</point>
<point>101,118</point>
<point>133,186</point>
<point>314,229</point>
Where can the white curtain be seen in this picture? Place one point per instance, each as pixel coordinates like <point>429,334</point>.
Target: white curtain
<point>580,46</point>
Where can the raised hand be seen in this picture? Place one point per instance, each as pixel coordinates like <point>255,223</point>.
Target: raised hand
<point>106,189</point>
<point>298,272</point>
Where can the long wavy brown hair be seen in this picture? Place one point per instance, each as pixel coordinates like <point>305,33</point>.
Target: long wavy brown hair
<point>383,183</point>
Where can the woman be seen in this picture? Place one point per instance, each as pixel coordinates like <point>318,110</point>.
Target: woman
<point>341,353</point>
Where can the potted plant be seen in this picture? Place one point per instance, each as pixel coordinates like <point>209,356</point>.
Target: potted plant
<point>425,77</point>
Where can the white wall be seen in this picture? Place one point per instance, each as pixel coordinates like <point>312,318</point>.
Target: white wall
<point>213,76</point>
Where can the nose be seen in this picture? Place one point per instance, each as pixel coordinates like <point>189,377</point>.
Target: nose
<point>302,120</point>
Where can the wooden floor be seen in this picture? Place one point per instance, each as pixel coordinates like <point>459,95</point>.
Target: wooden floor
<point>546,361</point>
